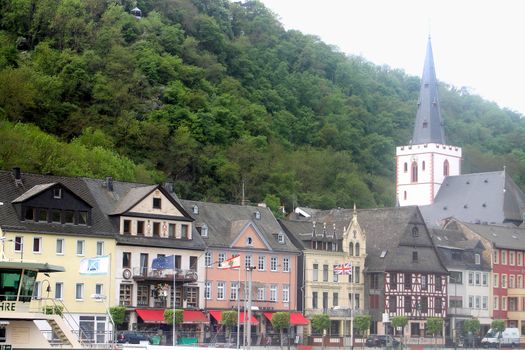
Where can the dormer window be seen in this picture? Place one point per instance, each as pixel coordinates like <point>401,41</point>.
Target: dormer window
<point>157,203</point>
<point>57,193</point>
<point>280,238</point>
<point>30,214</point>
<point>204,230</point>
<point>249,241</point>
<point>195,210</point>
<point>477,258</point>
<point>415,232</point>
<point>257,215</point>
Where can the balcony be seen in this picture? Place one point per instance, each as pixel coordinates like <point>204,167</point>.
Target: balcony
<point>461,311</point>
<point>336,312</point>
<point>143,274</point>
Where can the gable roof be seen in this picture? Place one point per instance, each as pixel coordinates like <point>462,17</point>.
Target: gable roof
<point>491,197</point>
<point>227,221</point>
<point>428,127</point>
<point>31,185</point>
<point>503,237</point>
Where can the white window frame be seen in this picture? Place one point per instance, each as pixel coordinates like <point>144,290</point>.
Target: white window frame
<point>512,281</point>
<point>286,264</point>
<point>504,282</point>
<point>234,290</point>
<point>496,256</point>
<point>79,287</point>
<point>503,257</point>
<point>286,293</point>
<point>477,259</point>
<point>274,262</point>
<point>99,289</point>
<point>248,261</point>
<point>478,278</point>
<point>504,303</point>
<point>471,278</point>
<point>484,302</point>
<point>63,244</point>
<point>100,246</point>
<point>221,258</point>
<point>261,293</point>
<point>18,244</point>
<point>59,290</point>
<point>471,301</point>
<point>273,292</point>
<point>207,290</point>
<point>83,245</point>
<point>208,259</point>
<point>39,240</point>
<point>496,303</point>
<point>496,280</point>
<point>512,258</point>
<point>261,266</point>
<point>519,282</point>
<point>485,279</point>
<point>221,286</point>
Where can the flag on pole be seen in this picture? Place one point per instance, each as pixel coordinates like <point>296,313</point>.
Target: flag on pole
<point>232,263</point>
<point>163,262</point>
<point>343,269</point>
<point>94,266</point>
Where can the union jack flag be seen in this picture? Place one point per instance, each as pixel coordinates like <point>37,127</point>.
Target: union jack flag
<point>343,269</point>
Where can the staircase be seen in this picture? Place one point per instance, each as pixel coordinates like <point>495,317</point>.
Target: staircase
<point>61,327</point>
<point>60,338</point>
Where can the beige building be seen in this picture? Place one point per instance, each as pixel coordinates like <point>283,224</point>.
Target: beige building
<point>332,242</point>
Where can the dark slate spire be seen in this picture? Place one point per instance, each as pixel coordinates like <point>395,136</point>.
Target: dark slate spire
<point>429,125</point>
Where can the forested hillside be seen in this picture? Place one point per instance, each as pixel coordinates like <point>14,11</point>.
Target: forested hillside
<point>211,93</point>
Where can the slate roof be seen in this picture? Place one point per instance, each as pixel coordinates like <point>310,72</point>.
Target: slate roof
<point>429,124</point>
<point>452,244</point>
<point>34,183</point>
<point>225,222</point>
<point>503,237</point>
<point>386,229</point>
<point>490,197</point>
<point>33,192</point>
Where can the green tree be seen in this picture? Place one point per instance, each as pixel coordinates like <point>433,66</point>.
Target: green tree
<point>320,322</point>
<point>498,326</point>
<point>281,321</point>
<point>362,324</point>
<point>399,321</point>
<point>434,326</point>
<point>472,326</point>
<point>177,317</point>
<point>228,320</point>
<point>118,315</point>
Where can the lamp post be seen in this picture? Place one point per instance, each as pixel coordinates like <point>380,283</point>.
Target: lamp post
<point>48,288</point>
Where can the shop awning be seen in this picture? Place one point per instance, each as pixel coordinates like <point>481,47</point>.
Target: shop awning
<point>194,316</point>
<point>151,315</point>
<point>217,314</point>
<point>297,319</point>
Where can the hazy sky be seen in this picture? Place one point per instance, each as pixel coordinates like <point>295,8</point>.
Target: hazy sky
<point>477,44</point>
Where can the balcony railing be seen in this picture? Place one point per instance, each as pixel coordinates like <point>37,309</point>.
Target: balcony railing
<point>459,311</point>
<point>144,273</point>
<point>336,312</point>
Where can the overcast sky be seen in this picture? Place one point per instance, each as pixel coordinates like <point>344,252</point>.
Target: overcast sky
<point>477,44</point>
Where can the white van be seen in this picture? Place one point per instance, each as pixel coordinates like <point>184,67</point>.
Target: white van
<point>509,337</point>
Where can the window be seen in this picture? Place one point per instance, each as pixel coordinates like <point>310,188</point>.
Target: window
<point>471,301</point>
<point>204,230</point>
<point>478,278</point>
<point>356,273</point>
<point>156,229</point>
<point>478,302</point>
<point>59,290</point>
<point>471,278</point>
<point>357,249</point>
<point>57,193</point>
<point>424,282</point>
<point>157,203</point>
<point>315,273</point>
<point>127,227</point>
<point>221,258</point>
<point>248,261</point>
<point>262,263</point>
<point>504,303</point>
<point>496,303</point>
<point>126,259</point>
<point>171,230</point>
<point>193,263</point>
<point>286,293</point>
<point>261,293</point>
<point>503,281</point>
<point>100,248</point>
<point>423,305</point>
<point>423,166</point>
<point>477,259</point>
<point>178,262</point>
<point>415,232</point>
<point>439,283</point>
<point>42,215</point>
<point>356,301</point>
<point>519,259</point>
<point>414,256</point>
<point>408,281</point>
<point>19,244</point>
<point>456,301</point>
<point>314,300</point>
<point>82,217</point>
<point>220,290</point>
<point>335,276</point>
<point>325,301</point>
<point>439,305</point>
<point>351,249</point>
<point>185,232</point>
<point>335,299</point>
<point>37,244</point>
<point>286,264</point>
<point>325,273</point>
<point>484,302</point>
<point>393,280</point>
<point>207,259</point>
<point>511,281</point>
<point>445,168</point>
<point>496,256</point>
<point>99,289</point>
<point>140,228</point>
<point>60,246</point>
<point>69,217</point>
<point>280,238</point>
<point>79,291</point>
<point>456,277</point>
<point>496,280</point>
<point>249,241</point>
<point>408,303</point>
<point>512,260</point>
<point>56,216</point>
<point>405,195</point>
<point>519,283</point>
<point>80,247</point>
<point>392,303</point>
<point>273,263</point>
<point>29,214</point>
<point>414,172</point>
<point>207,290</point>
<point>273,292</point>
<point>126,291</point>
<point>405,167</point>
<point>234,290</point>
<point>484,279</point>
<point>504,257</point>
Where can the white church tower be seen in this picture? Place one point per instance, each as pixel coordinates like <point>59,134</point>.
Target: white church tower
<point>422,165</point>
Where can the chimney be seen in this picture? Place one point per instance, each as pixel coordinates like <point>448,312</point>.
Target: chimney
<point>109,183</point>
<point>16,173</point>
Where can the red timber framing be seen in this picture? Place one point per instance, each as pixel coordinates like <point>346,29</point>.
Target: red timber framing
<point>415,295</point>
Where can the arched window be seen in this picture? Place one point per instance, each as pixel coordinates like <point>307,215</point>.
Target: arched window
<point>357,249</point>
<point>414,171</point>
<point>423,166</point>
<point>445,167</point>
<point>351,249</point>
<point>405,167</point>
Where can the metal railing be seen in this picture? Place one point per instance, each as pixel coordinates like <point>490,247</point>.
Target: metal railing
<point>180,274</point>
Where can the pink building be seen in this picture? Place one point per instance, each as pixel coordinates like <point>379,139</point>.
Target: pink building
<point>254,234</point>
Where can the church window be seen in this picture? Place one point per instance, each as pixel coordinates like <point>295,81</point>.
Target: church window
<point>357,249</point>
<point>414,171</point>
<point>445,168</point>
<point>351,249</point>
<point>423,166</point>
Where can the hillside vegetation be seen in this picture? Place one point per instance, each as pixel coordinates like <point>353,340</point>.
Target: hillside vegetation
<point>211,94</point>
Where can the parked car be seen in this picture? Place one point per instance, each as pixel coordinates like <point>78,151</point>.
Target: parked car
<point>374,340</point>
<point>509,337</point>
<point>132,337</point>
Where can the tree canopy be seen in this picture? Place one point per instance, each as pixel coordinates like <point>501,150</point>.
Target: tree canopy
<point>214,94</point>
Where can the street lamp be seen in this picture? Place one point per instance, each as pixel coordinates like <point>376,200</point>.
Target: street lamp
<point>48,288</point>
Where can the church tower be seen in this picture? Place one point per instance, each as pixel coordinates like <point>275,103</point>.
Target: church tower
<point>422,165</point>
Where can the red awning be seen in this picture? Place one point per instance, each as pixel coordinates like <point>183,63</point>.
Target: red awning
<point>268,315</point>
<point>151,315</point>
<point>297,319</point>
<point>194,316</point>
<point>216,314</point>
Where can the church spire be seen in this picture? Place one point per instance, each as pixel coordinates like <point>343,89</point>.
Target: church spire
<point>429,125</point>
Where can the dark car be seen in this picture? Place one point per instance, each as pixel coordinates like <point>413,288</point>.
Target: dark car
<point>132,337</point>
<point>375,340</point>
